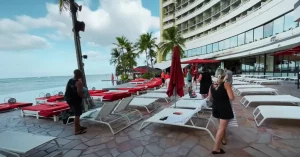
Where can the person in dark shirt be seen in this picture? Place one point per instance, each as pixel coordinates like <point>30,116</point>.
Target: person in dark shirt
<point>74,95</point>
<point>205,82</point>
<point>221,95</point>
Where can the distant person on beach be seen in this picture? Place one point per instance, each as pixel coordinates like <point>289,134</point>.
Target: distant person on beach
<point>113,79</point>
<point>228,77</point>
<point>74,95</point>
<point>220,93</point>
<point>162,76</point>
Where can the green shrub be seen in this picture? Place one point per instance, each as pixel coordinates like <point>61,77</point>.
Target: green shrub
<point>147,75</point>
<point>124,77</point>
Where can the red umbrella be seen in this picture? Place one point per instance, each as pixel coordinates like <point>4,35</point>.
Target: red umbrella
<point>200,61</point>
<point>176,76</point>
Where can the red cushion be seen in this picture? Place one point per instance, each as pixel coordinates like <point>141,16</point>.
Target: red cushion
<point>47,110</point>
<point>4,107</point>
<point>97,91</point>
<point>112,96</point>
<point>52,98</point>
<point>134,89</point>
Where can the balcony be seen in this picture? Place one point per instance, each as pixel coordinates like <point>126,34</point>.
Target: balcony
<point>168,2</point>
<point>168,25</point>
<point>168,17</point>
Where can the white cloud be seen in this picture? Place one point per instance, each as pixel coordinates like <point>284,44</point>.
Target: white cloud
<point>22,42</point>
<point>113,18</point>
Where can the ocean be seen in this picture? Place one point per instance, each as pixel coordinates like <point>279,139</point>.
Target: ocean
<point>27,89</point>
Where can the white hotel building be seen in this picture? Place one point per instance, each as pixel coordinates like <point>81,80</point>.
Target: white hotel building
<point>246,35</point>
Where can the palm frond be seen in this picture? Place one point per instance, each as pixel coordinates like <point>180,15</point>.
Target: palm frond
<point>63,5</point>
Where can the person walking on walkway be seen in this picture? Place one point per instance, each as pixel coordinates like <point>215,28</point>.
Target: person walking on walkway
<point>162,76</point>
<point>205,82</point>
<point>74,95</point>
<point>221,95</point>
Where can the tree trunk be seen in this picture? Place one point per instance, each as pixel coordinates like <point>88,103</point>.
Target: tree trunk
<point>147,60</point>
<point>151,62</point>
<point>77,42</point>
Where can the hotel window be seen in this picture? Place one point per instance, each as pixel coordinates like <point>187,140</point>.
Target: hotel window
<point>209,48</point>
<point>258,33</point>
<point>289,22</point>
<point>269,64</point>
<point>198,50</point>
<point>185,53</point>
<point>233,41</point>
<point>278,25</point>
<point>241,39</point>
<point>216,47</point>
<point>190,53</point>
<point>268,29</point>
<point>249,36</point>
<point>194,52</point>
<point>203,50</point>
<point>221,45</point>
<point>226,43</point>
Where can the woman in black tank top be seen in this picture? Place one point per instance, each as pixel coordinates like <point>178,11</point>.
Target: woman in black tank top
<point>205,82</point>
<point>221,95</point>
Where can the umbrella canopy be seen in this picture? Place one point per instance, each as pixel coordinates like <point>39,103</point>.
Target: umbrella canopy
<point>144,69</point>
<point>200,61</point>
<point>176,76</point>
<point>292,51</point>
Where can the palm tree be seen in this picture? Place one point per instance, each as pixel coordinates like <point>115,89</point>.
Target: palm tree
<point>72,6</point>
<point>171,38</point>
<point>123,56</point>
<point>152,54</point>
<point>146,43</point>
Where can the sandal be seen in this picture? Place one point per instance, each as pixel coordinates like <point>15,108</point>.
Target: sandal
<point>80,132</point>
<point>220,152</point>
<point>223,142</point>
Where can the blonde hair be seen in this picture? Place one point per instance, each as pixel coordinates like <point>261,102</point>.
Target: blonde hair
<point>220,75</point>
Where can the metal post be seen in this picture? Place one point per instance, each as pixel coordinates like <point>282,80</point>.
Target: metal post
<point>298,79</point>
<point>77,42</point>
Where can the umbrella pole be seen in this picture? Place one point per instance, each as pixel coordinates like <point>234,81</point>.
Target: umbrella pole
<point>175,96</point>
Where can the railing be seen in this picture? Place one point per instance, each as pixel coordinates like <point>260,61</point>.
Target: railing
<point>224,6</point>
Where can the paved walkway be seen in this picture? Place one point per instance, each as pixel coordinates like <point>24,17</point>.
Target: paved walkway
<point>275,139</point>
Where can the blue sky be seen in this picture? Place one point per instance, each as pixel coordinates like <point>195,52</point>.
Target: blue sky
<point>37,41</point>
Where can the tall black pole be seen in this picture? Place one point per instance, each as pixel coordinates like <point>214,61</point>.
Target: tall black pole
<point>77,41</point>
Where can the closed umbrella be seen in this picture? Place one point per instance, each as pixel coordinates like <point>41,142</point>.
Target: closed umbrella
<point>176,77</point>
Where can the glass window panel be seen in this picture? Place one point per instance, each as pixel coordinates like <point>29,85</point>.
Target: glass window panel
<point>249,36</point>
<point>215,47</point>
<point>258,33</point>
<point>289,21</point>
<point>203,51</point>
<point>209,48</point>
<point>198,50</point>
<point>190,53</point>
<point>226,44</point>
<point>269,64</point>
<point>194,52</point>
<point>268,29</point>
<point>241,39</point>
<point>233,41</point>
<point>221,45</point>
<point>185,53</point>
<point>278,25</point>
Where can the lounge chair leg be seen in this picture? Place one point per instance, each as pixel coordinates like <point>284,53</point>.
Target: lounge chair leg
<point>144,125</point>
<point>59,153</point>
<point>55,118</point>
<point>12,153</point>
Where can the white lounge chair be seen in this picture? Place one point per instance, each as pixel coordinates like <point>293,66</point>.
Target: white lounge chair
<point>268,82</point>
<point>235,87</point>
<point>190,104</point>
<point>256,91</point>
<point>122,109</point>
<point>103,115</point>
<point>275,112</point>
<point>160,90</point>
<point>251,80</point>
<point>239,83</point>
<point>187,97</point>
<point>155,95</point>
<point>175,119</point>
<point>145,102</point>
<point>278,78</point>
<point>19,143</point>
<point>247,100</point>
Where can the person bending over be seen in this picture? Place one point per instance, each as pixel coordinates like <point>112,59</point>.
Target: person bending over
<point>74,95</point>
<point>221,95</point>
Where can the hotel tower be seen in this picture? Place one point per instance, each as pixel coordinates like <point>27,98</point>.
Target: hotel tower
<point>248,36</point>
